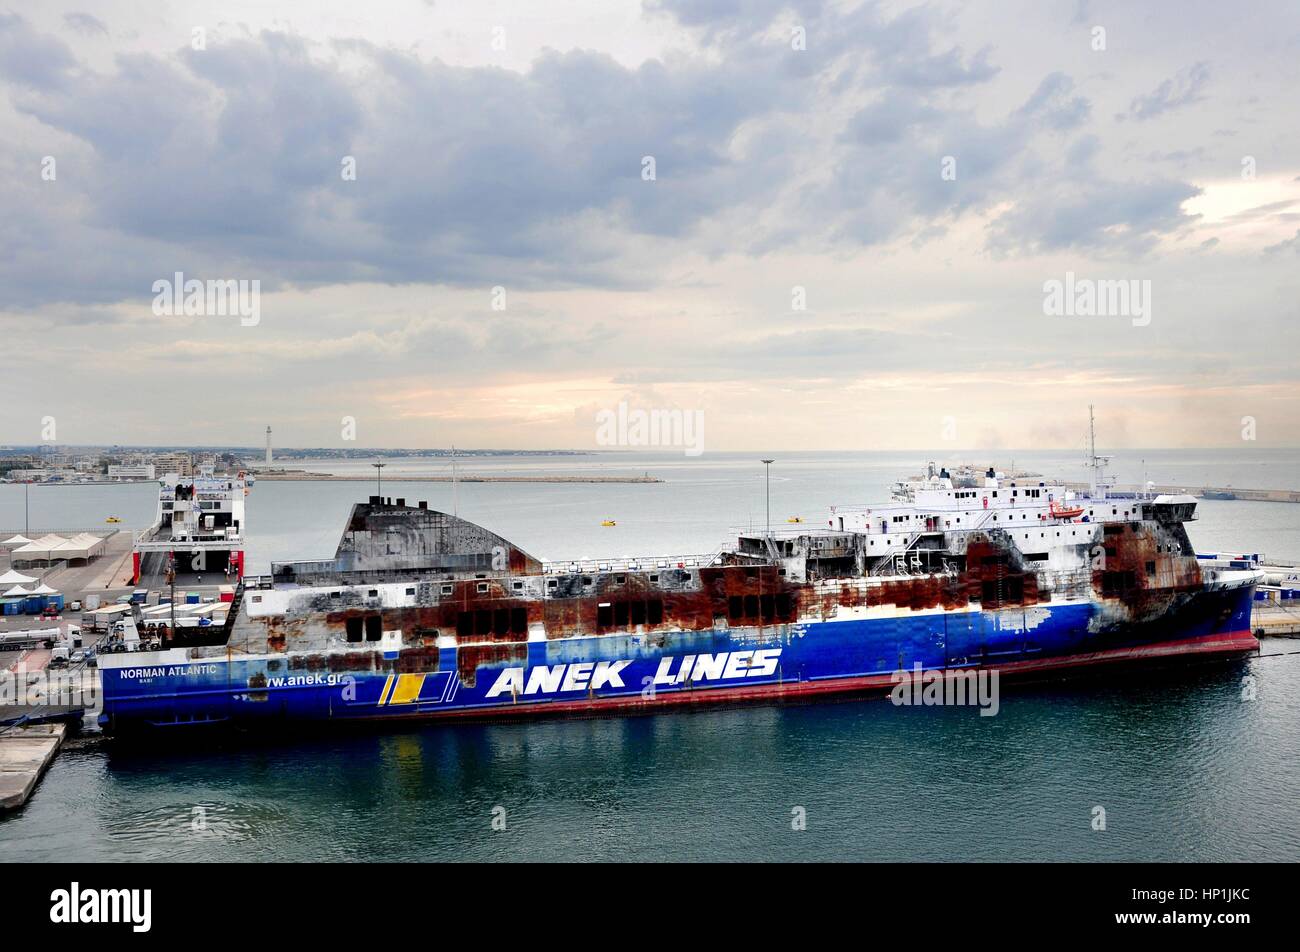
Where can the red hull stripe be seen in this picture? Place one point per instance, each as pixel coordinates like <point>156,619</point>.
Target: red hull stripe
<point>1220,645</point>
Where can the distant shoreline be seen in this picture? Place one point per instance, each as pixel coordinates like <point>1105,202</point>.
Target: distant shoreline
<point>306,477</point>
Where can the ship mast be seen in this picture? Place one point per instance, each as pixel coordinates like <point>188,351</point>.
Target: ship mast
<point>1096,463</point>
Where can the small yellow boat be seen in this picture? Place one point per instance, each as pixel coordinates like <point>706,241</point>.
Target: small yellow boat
<point>795,519</point>
<point>112,519</point>
<point>608,522</point>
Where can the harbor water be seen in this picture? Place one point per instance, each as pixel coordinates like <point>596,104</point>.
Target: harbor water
<point>1196,764</point>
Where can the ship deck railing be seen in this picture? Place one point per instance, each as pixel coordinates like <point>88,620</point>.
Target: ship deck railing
<point>633,563</point>
<point>789,530</point>
<point>145,538</point>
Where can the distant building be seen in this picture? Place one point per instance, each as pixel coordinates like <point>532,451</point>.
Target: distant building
<point>47,474</point>
<point>131,471</point>
<point>178,463</point>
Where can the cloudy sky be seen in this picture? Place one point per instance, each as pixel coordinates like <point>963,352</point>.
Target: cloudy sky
<point>502,265</point>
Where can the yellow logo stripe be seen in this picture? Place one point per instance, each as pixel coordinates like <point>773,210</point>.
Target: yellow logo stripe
<point>408,688</point>
<point>383,695</point>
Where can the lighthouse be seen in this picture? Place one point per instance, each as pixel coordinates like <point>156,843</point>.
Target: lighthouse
<point>268,446</point>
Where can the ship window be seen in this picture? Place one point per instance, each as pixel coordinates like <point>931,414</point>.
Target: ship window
<point>257,598</point>
<point>654,576</point>
<point>586,580</point>
<point>519,621</point>
<point>751,606</point>
<point>1151,568</point>
<point>519,586</point>
<point>1116,583</point>
<point>552,583</point>
<point>736,607</point>
<point>767,606</point>
<point>483,622</point>
<point>482,588</point>
<point>465,624</point>
<point>604,614</point>
<point>638,613</point>
<point>620,579</point>
<point>655,612</point>
<point>446,590</point>
<point>353,628</point>
<point>784,605</point>
<point>501,621</point>
<point>620,614</point>
<point>374,627</point>
<point>410,591</point>
<point>373,593</point>
<point>336,594</point>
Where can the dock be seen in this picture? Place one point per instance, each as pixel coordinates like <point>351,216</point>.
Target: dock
<point>1214,492</point>
<point>25,754</point>
<point>302,476</point>
<point>1274,621</point>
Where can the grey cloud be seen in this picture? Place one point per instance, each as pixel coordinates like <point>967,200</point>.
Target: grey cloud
<point>1184,88</point>
<point>30,59</point>
<point>1052,104</point>
<point>1290,244</point>
<point>1100,216</point>
<point>85,24</point>
<point>226,162</point>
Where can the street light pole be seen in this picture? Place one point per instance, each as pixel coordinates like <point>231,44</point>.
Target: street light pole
<point>27,519</point>
<point>379,478</point>
<point>768,464</point>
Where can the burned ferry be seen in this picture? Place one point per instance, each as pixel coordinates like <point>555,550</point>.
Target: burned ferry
<point>424,615</point>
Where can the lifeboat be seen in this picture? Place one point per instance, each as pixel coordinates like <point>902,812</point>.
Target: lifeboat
<point>608,522</point>
<point>795,519</point>
<point>112,519</point>
<point>1059,510</point>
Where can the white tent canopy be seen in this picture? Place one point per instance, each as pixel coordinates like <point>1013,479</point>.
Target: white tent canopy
<point>52,547</point>
<point>16,540</point>
<point>44,589</point>
<point>16,590</point>
<point>15,578</point>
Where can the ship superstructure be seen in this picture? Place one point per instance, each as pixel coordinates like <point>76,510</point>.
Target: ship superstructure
<point>421,614</point>
<point>198,529</point>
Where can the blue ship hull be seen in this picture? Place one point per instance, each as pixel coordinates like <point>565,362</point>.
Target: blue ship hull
<point>595,675</point>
